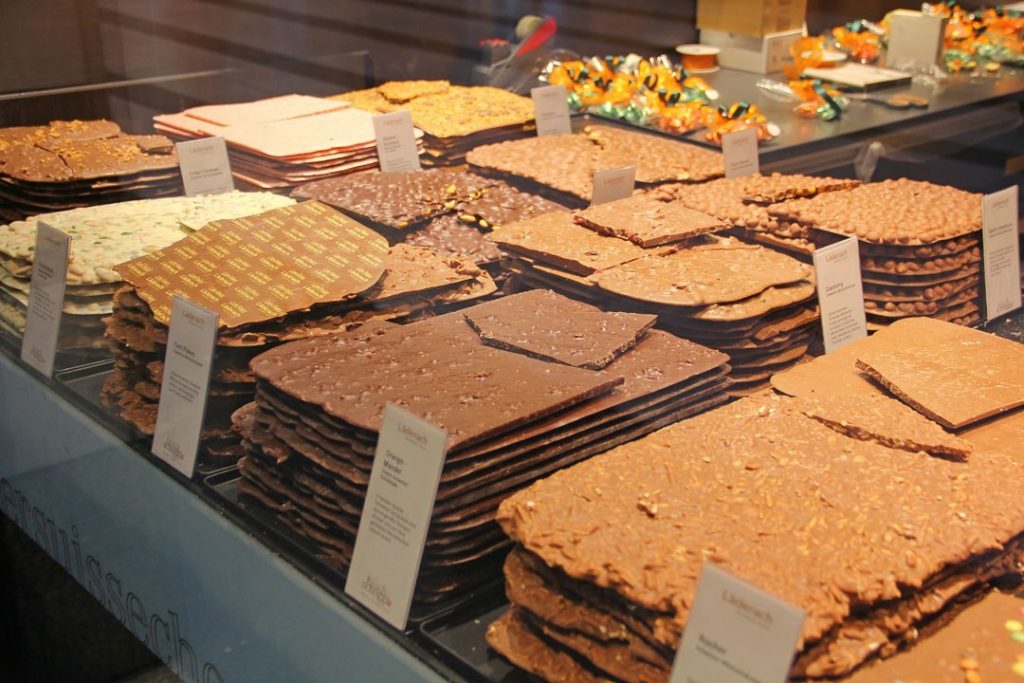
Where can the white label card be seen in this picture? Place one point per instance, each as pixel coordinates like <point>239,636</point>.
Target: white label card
<point>396,515</point>
<point>205,167</point>
<point>396,141</point>
<point>840,293</point>
<point>736,633</point>
<point>1001,252</point>
<point>179,420</point>
<point>551,110</point>
<point>46,298</point>
<point>741,153</point>
<point>612,184</point>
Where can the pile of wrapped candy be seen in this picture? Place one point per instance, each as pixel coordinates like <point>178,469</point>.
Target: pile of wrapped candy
<point>653,92</point>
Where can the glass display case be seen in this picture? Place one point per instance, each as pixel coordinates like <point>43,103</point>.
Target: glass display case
<point>492,293</point>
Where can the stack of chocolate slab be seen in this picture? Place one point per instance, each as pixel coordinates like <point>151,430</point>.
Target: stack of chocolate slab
<point>282,141</point>
<point>743,202</point>
<point>746,300</point>
<point>524,385</point>
<point>919,245</point>
<point>68,164</point>
<point>286,274</point>
<point>449,211</point>
<point>454,119</point>
<point>562,167</point>
<point>102,237</point>
<point>879,534</point>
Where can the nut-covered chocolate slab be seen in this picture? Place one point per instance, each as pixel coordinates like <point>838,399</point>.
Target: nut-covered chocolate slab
<point>395,200</point>
<point>904,212</point>
<point>648,222</point>
<point>753,485</point>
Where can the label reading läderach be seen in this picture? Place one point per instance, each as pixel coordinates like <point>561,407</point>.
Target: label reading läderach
<point>551,110</point>
<point>741,153</point>
<point>191,341</point>
<point>1001,252</point>
<point>205,167</point>
<point>840,293</point>
<point>46,298</point>
<point>396,515</point>
<point>612,184</point>
<point>396,141</point>
<point>736,633</point>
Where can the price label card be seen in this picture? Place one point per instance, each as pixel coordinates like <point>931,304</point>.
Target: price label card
<point>1001,252</point>
<point>205,167</point>
<point>551,110</point>
<point>840,293</point>
<point>396,141</point>
<point>186,381</point>
<point>46,298</point>
<point>612,184</point>
<point>741,153</point>
<point>736,633</point>
<point>396,515</point>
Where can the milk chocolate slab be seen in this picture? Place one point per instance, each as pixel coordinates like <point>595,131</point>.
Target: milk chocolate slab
<point>938,292</point>
<point>648,222</point>
<point>947,247</point>
<point>702,275</point>
<point>554,238</point>
<point>885,420</point>
<point>916,266</point>
<point>863,481</point>
<point>395,200</point>
<point>901,309</point>
<point>722,198</point>
<point>903,212</point>
<point>534,323</point>
<point>922,280</point>
<point>431,371</point>
<point>291,258</point>
<point>566,163</point>
<point>513,638</point>
<point>989,378</point>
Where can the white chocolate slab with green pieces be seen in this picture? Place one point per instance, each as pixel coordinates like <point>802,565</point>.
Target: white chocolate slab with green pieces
<point>105,236</point>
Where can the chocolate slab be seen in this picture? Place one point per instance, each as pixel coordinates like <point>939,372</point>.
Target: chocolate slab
<point>778,187</point>
<point>991,382</point>
<point>533,323</point>
<point>450,235</point>
<point>290,258</point>
<point>648,222</point>
<point>501,204</point>
<point>395,200</point>
<point>903,212</point>
<point>853,481</point>
<point>702,275</point>
<point>426,369</point>
<point>556,239</point>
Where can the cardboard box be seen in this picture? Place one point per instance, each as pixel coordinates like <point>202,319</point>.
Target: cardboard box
<point>915,40</point>
<point>759,55</point>
<point>751,17</point>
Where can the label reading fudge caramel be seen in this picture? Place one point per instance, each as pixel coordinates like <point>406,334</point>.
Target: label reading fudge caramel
<point>736,633</point>
<point>551,110</point>
<point>179,420</point>
<point>46,298</point>
<point>840,293</point>
<point>612,184</point>
<point>396,142</point>
<point>741,154</point>
<point>1001,252</point>
<point>396,516</point>
<point>205,167</point>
